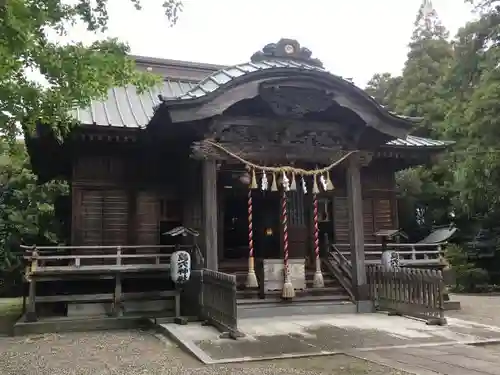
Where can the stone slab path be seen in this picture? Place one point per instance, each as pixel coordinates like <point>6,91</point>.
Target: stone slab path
<point>439,360</point>
<point>299,336</point>
<point>452,359</point>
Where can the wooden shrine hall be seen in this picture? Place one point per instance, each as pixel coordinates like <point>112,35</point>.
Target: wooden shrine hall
<point>272,161</point>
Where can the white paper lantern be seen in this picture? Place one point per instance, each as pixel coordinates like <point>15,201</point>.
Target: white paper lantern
<point>180,267</point>
<point>390,260</point>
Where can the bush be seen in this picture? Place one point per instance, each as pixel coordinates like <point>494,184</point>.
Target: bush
<point>468,277</point>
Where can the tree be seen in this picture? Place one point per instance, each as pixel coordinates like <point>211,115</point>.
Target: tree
<point>75,73</point>
<point>428,57</point>
<point>383,88</point>
<point>473,119</point>
<point>425,192</point>
<point>27,211</point>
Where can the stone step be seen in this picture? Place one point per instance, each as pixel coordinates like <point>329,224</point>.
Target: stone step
<point>296,307</point>
<point>327,292</point>
<point>276,298</point>
<point>328,285</point>
<point>329,280</point>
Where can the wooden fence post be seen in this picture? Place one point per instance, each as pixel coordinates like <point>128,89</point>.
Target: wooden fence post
<point>31,307</point>
<point>117,298</point>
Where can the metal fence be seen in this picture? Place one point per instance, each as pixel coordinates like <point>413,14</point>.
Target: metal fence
<point>412,292</point>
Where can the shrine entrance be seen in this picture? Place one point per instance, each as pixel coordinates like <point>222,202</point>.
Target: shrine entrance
<point>266,225</point>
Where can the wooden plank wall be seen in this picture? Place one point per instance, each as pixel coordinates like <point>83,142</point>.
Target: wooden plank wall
<point>110,206</point>
<point>379,205</point>
<point>100,208</point>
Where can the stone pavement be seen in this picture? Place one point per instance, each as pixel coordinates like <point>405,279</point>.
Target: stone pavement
<point>439,360</point>
<point>299,336</point>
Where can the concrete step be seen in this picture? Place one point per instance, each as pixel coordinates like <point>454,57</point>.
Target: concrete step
<point>331,292</point>
<point>331,286</point>
<point>241,276</point>
<point>295,307</point>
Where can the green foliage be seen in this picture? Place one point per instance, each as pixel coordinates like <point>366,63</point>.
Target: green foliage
<point>468,277</point>
<point>455,86</point>
<point>27,212</point>
<point>384,88</point>
<point>74,73</point>
<point>428,57</point>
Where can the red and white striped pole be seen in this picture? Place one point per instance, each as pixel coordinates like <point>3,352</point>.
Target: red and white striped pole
<point>251,277</point>
<point>318,281</point>
<point>288,290</point>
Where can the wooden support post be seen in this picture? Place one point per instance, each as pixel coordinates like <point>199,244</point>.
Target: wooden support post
<point>210,214</point>
<point>355,207</point>
<point>117,298</point>
<point>31,307</point>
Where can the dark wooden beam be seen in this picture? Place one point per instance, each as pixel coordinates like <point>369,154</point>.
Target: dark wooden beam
<point>356,233</point>
<point>223,122</point>
<point>210,213</point>
<point>270,153</point>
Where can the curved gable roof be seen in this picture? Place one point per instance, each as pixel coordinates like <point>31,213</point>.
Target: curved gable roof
<point>224,77</point>
<point>283,61</point>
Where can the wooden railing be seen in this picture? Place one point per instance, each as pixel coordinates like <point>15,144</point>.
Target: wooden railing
<point>71,258</point>
<point>337,264</point>
<point>219,301</point>
<point>416,254</point>
<point>408,291</point>
<point>52,263</point>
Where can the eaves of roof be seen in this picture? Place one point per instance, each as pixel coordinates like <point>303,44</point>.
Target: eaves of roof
<point>124,107</point>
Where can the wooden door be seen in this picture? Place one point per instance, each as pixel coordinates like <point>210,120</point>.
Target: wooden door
<point>147,219</point>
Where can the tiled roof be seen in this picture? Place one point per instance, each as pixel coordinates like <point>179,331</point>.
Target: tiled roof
<point>223,76</point>
<point>124,107</point>
<point>413,141</point>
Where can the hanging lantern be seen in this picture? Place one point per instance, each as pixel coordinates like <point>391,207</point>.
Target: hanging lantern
<point>253,184</point>
<point>304,185</point>
<point>180,267</point>
<point>274,184</point>
<point>245,178</point>
<point>293,185</point>
<point>264,183</point>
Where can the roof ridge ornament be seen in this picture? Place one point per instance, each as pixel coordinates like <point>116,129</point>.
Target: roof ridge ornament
<point>288,49</point>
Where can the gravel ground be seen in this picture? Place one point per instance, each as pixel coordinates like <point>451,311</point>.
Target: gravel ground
<point>479,308</point>
<point>135,352</point>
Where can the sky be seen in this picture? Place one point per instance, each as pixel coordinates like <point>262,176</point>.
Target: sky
<point>353,38</point>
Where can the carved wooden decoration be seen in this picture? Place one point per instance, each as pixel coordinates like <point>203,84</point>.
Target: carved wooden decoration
<point>286,49</point>
<point>295,102</point>
<point>282,138</point>
<point>267,152</point>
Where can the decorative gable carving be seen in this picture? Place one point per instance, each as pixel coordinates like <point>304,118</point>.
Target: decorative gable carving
<point>286,49</point>
<point>295,102</point>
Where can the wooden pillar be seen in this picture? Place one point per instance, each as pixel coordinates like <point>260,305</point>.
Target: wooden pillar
<point>355,209</point>
<point>117,295</point>
<point>31,306</point>
<point>210,214</point>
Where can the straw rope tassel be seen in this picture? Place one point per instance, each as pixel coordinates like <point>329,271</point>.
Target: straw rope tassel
<point>318,281</point>
<point>288,290</point>
<point>251,277</point>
